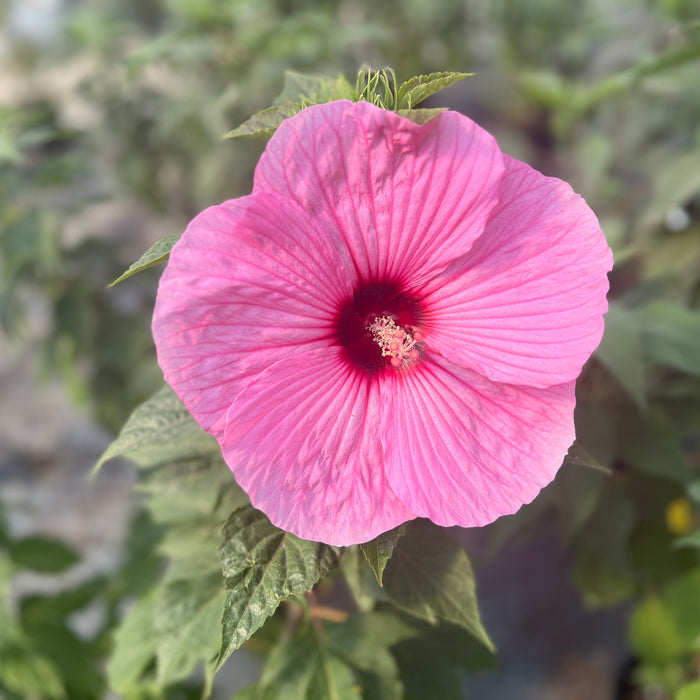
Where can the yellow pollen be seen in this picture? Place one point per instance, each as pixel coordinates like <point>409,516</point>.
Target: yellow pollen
<point>394,341</point>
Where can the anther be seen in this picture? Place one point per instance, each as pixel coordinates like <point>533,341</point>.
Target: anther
<point>394,341</point>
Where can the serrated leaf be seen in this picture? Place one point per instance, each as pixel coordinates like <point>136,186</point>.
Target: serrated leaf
<point>45,555</point>
<point>157,253</point>
<point>312,89</point>
<point>430,576</point>
<point>188,620</point>
<point>421,116</point>
<point>263,565</point>
<point>379,550</point>
<point>160,430</point>
<point>135,645</point>
<point>419,88</point>
<point>266,121</point>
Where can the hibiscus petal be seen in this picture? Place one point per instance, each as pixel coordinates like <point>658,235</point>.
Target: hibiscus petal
<point>462,450</point>
<point>249,282</point>
<point>406,199</point>
<point>525,305</point>
<point>302,441</point>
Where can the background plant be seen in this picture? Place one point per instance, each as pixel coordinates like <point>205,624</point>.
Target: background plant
<point>126,147</point>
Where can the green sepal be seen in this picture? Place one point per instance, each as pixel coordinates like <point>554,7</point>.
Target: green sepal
<point>159,252</point>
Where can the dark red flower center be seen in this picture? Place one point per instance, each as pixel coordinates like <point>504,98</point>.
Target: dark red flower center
<point>368,319</point>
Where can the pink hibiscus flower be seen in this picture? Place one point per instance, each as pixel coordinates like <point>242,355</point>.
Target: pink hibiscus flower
<point>389,326</point>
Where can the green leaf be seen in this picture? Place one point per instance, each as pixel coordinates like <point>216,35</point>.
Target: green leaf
<point>671,336</point>
<point>313,89</point>
<point>363,643</point>
<point>332,680</point>
<point>361,583</point>
<point>602,544</point>
<point>266,121</point>
<point>29,674</point>
<point>43,554</point>
<point>419,88</point>
<point>689,692</point>
<point>654,447</point>
<point>430,576</point>
<point>77,659</point>
<point>379,550</point>
<point>421,116</point>
<point>159,430</point>
<point>135,645</point>
<point>620,351</point>
<point>157,253</point>
<point>575,495</point>
<point>426,676</point>
<point>192,489</point>
<point>188,621</point>
<point>681,598</point>
<point>676,181</point>
<point>653,633</point>
<point>299,91</point>
<point>693,490</point>
<point>303,667</point>
<point>601,582</point>
<point>691,540</point>
<point>431,661</point>
<point>263,565</point>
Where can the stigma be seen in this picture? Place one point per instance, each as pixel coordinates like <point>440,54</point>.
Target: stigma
<point>394,341</point>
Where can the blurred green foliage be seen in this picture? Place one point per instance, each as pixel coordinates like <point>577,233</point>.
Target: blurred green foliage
<point>111,137</point>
